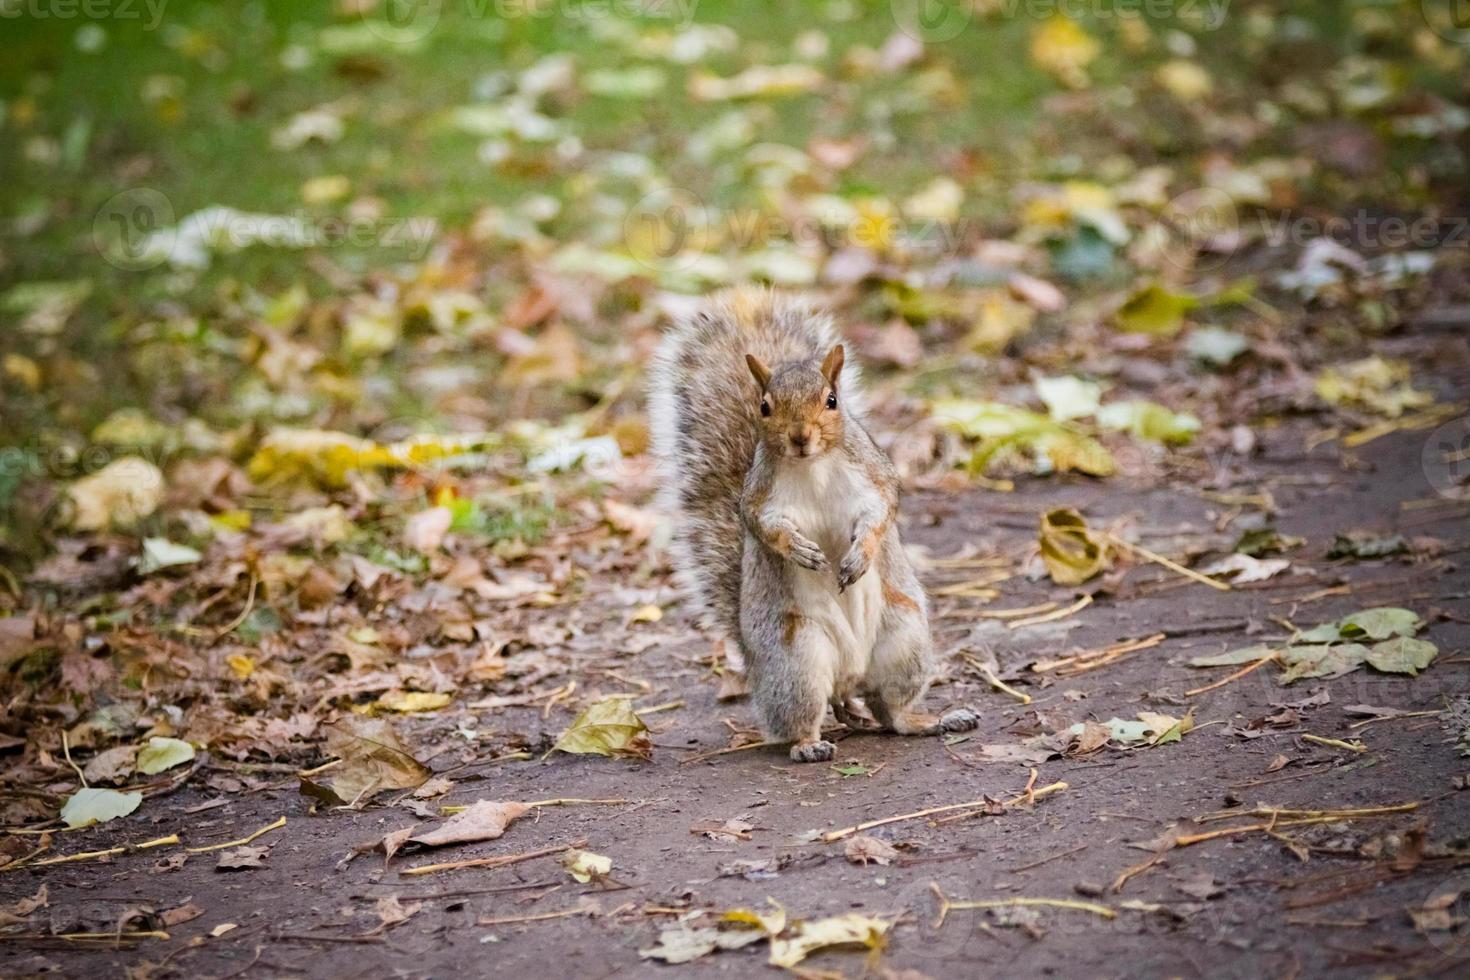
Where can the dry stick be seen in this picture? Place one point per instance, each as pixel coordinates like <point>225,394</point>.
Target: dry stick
<point>945,905</point>
<point>241,842</point>
<point>1023,611</point>
<point>836,835</point>
<point>1255,665</point>
<point>1335,743</point>
<point>244,613</point>
<point>93,855</point>
<point>509,919</point>
<point>1050,617</point>
<point>568,801</point>
<point>1047,860</point>
<point>1406,714</point>
<point>726,751</point>
<point>1269,811</point>
<point>1173,566</point>
<point>995,682</point>
<point>1188,839</point>
<point>499,861</point>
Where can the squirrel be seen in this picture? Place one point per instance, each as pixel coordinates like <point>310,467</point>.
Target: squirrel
<point>784,513</point>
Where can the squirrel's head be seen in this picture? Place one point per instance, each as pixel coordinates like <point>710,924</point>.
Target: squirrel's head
<point>800,407</point>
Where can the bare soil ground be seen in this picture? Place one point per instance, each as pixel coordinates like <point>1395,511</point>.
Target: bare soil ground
<point>1316,901</point>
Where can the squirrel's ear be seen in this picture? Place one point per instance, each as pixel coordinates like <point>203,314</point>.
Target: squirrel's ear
<point>832,365</point>
<point>759,369</point>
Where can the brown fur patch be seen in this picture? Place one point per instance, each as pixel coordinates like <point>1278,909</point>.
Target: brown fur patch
<point>790,623</point>
<point>781,541</point>
<point>871,543</point>
<point>749,307</point>
<point>894,597</point>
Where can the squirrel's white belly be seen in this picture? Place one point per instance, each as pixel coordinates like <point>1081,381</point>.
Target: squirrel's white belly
<point>819,500</point>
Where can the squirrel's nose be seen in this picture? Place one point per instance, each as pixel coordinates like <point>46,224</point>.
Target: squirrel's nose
<point>800,437</point>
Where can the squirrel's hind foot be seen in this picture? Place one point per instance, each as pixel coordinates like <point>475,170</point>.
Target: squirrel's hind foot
<point>959,720</point>
<point>813,750</point>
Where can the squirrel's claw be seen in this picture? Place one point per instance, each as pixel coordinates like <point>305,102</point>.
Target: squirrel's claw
<point>854,566</point>
<point>820,750</point>
<point>808,554</point>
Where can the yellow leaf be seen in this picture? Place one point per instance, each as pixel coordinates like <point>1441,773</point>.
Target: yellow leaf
<point>24,370</point>
<point>242,665</point>
<point>607,727</point>
<point>584,865</point>
<point>1372,383</point>
<point>648,614</point>
<point>407,702</point>
<point>1062,48</point>
<point>119,495</point>
<point>772,923</point>
<point>1070,551</point>
<point>324,190</point>
<point>852,929</point>
<point>1184,80</point>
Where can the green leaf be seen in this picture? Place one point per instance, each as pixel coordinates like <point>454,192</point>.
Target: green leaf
<point>163,753</point>
<point>1402,655</point>
<point>1155,310</point>
<point>163,553</point>
<point>1067,397</point>
<point>608,727</point>
<point>1215,345</point>
<point>1244,655</point>
<point>1380,623</point>
<point>88,806</point>
<point>1265,541</point>
<point>1149,421</point>
<point>1326,633</point>
<point>998,427</point>
<point>1367,546</point>
<point>1322,661</point>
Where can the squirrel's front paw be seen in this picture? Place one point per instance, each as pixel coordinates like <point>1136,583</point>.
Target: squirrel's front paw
<point>959,720</point>
<point>854,565</point>
<point>819,750</point>
<point>807,553</point>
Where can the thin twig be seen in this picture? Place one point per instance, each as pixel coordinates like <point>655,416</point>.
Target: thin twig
<point>836,835</point>
<point>1173,566</point>
<point>1047,860</point>
<point>510,919</point>
<point>94,855</point>
<point>1053,616</point>
<point>995,682</point>
<point>241,842</point>
<point>499,861</point>
<point>1237,675</point>
<point>244,613</point>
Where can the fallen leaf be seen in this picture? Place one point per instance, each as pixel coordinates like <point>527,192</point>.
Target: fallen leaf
<point>242,858</point>
<point>862,849</point>
<point>1241,568</point>
<point>391,911</point>
<point>585,866</point>
<point>608,727</point>
<point>1150,422</point>
<point>437,786</point>
<point>1155,310</point>
<point>1402,655</point>
<point>484,820</point>
<point>728,831</point>
<point>1062,48</point>
<point>1071,553</point>
<point>111,766</point>
<point>681,944</point>
<point>187,912</point>
<point>372,760</point>
<point>90,805</point>
<point>1068,397</point>
<point>851,929</point>
<point>408,702</point>
<point>160,553</point>
<point>425,531</point>
<point>1244,655</point>
<point>1321,660</point>
<point>163,753</point>
<point>119,495</point>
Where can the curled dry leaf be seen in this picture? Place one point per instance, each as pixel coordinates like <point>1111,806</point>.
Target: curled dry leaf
<point>1072,553</point>
<point>608,727</point>
<point>584,866</point>
<point>864,850</point>
<point>484,820</point>
<point>842,930</point>
<point>372,759</point>
<point>242,858</point>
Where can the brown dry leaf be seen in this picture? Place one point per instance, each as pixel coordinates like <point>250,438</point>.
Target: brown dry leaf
<point>729,831</point>
<point>393,841</point>
<point>242,858</point>
<point>638,524</point>
<point>372,760</point>
<point>425,531</point>
<point>1093,737</point>
<point>437,786</point>
<point>23,907</point>
<point>17,639</point>
<point>113,766</point>
<point>484,820</point>
<point>1435,915</point>
<point>1278,763</point>
<point>391,911</point>
<point>183,913</point>
<point>863,850</point>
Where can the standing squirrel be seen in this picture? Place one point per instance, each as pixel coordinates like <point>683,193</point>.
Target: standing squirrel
<point>785,520</point>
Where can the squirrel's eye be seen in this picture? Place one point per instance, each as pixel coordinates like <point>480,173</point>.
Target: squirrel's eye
<point>832,400</point>
<point>766,408</point>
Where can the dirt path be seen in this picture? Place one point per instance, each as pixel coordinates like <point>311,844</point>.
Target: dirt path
<point>1242,906</point>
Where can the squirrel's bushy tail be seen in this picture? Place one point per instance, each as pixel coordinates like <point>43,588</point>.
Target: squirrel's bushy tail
<point>703,406</point>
